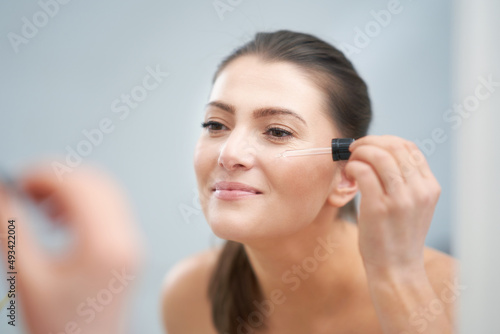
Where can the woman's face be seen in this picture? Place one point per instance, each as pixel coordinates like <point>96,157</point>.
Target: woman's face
<point>256,111</point>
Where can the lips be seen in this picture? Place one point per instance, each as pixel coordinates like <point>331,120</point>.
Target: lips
<point>231,191</point>
<point>235,186</point>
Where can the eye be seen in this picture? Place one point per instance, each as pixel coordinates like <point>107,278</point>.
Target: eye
<point>213,126</point>
<point>279,134</point>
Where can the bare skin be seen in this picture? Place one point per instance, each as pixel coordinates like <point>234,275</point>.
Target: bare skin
<point>378,277</point>
<point>184,299</point>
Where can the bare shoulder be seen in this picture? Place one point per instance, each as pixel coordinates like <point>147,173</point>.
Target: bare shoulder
<point>184,294</point>
<point>439,265</point>
<point>442,271</point>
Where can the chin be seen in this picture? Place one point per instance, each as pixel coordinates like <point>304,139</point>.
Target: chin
<point>233,227</point>
<point>247,228</point>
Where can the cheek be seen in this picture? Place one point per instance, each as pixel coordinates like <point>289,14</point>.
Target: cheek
<point>199,160</point>
<point>302,183</point>
<point>203,162</point>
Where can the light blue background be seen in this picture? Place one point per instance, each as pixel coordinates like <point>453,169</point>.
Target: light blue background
<point>64,80</point>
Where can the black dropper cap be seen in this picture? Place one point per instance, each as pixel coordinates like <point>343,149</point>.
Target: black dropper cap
<point>340,148</point>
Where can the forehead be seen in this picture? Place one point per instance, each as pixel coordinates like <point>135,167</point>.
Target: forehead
<point>249,82</point>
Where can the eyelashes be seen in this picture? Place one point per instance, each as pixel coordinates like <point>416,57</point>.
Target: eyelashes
<point>210,125</point>
<point>278,132</point>
<point>272,132</point>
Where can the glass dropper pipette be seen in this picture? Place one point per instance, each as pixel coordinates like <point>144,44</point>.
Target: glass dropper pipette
<point>339,150</point>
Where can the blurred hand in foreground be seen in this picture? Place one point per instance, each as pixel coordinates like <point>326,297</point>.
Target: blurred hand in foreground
<point>86,287</point>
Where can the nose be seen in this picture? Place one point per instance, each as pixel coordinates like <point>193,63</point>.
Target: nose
<point>237,152</point>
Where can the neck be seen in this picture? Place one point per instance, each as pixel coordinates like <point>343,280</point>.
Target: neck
<point>311,270</point>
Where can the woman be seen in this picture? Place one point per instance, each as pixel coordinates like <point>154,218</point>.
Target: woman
<point>293,263</point>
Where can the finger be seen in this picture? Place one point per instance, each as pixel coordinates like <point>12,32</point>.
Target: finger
<point>417,159</point>
<point>92,205</point>
<point>384,164</point>
<point>404,151</point>
<point>367,181</point>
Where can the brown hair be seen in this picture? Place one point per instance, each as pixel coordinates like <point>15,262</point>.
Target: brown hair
<point>233,288</point>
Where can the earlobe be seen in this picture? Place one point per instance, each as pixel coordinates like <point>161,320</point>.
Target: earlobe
<point>343,189</point>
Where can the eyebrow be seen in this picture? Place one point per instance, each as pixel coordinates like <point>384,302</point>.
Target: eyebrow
<point>257,113</point>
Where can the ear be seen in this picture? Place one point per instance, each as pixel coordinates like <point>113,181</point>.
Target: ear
<point>342,189</point>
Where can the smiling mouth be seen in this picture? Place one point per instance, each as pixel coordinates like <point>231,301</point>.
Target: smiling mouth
<point>253,192</point>
<point>237,187</point>
<point>235,194</point>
